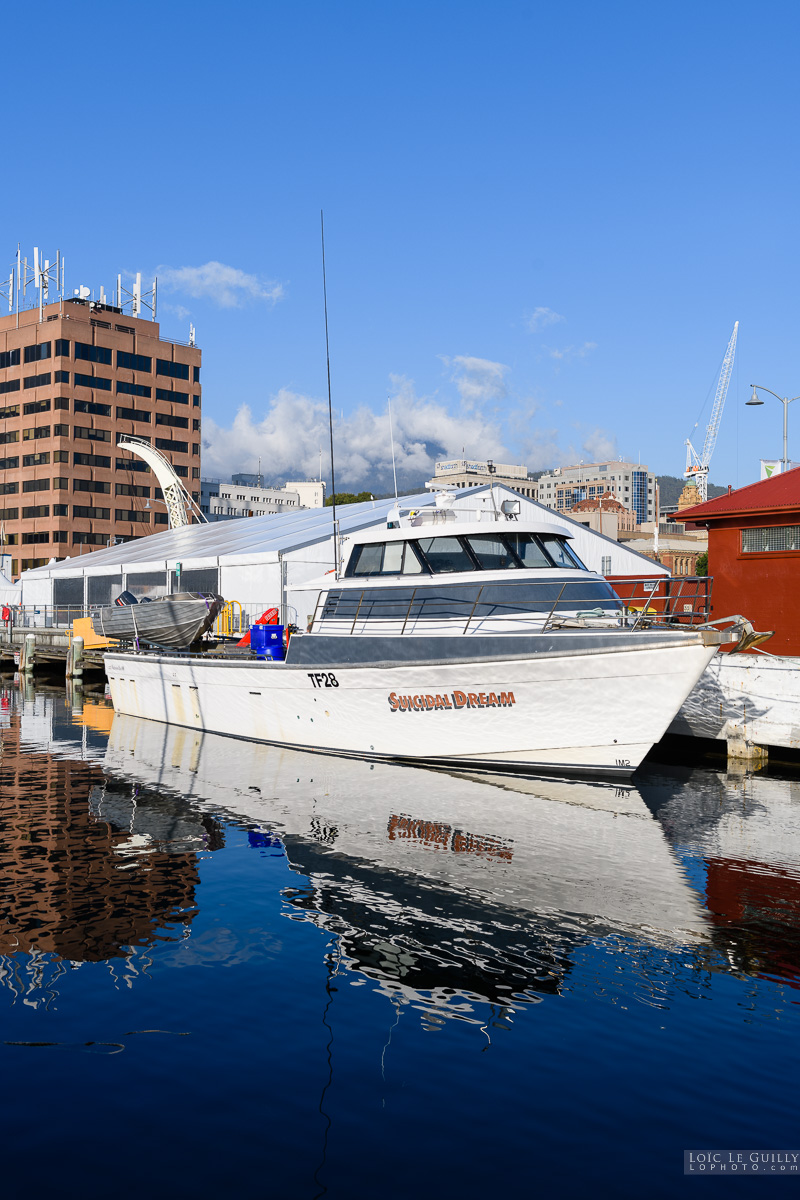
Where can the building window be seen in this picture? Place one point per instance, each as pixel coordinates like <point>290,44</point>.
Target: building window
<point>132,514</point>
<point>195,374</point>
<point>93,435</point>
<point>134,389</point>
<point>62,348</point>
<point>132,414</point>
<point>161,518</point>
<point>36,510</point>
<point>771,539</point>
<point>36,485</point>
<point>195,472</point>
<point>132,464</point>
<point>36,460</point>
<point>61,402</point>
<point>61,456</point>
<point>132,489</point>
<point>134,362</point>
<point>61,535</point>
<point>196,425</point>
<point>33,381</point>
<point>60,484</point>
<point>176,447</point>
<point>36,406</point>
<point>11,410</point>
<point>174,370</point>
<point>172,397</point>
<point>61,431</point>
<point>95,354</point>
<point>60,510</point>
<point>9,358</point>
<point>91,460</point>
<point>89,406</point>
<point>98,382</point>
<point>9,514</point>
<point>33,435</point>
<point>62,377</point>
<point>96,514</point>
<point>9,464</point>
<point>169,419</point>
<point>9,489</point>
<point>89,539</point>
<point>31,538</point>
<point>196,404</point>
<point>11,386</point>
<point>91,485</point>
<point>179,470</point>
<point>36,353</point>
<point>196,449</point>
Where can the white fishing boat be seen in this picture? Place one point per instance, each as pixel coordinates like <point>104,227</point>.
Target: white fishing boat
<point>447,640</point>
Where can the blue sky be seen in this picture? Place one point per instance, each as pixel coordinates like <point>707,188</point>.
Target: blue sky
<point>541,220</point>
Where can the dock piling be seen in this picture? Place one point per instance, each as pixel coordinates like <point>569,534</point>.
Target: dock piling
<point>27,654</point>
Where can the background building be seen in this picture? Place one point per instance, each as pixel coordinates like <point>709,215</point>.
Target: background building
<point>75,377</point>
<point>223,501</point>
<point>604,514</point>
<point>630,483</point>
<point>464,473</point>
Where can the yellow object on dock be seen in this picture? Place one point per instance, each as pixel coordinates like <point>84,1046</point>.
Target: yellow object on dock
<point>82,627</point>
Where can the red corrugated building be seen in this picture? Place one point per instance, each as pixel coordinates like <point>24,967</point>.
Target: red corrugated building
<point>754,555</point>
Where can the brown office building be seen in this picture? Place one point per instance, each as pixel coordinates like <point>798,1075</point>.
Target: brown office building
<point>71,385</point>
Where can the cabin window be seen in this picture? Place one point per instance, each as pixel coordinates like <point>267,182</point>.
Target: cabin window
<point>779,537</point>
<point>528,550</point>
<point>384,558</point>
<point>446,555</point>
<point>561,553</point>
<point>492,553</point>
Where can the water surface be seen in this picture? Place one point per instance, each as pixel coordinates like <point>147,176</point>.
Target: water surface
<point>229,969</point>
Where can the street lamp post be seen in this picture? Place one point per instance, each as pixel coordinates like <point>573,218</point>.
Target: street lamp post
<point>785,401</point>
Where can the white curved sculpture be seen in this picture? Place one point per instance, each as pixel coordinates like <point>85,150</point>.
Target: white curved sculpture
<point>175,494</point>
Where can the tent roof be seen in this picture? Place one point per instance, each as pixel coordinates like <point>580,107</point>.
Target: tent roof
<point>249,537</point>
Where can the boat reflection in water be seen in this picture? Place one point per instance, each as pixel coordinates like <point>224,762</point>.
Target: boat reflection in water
<point>445,889</point>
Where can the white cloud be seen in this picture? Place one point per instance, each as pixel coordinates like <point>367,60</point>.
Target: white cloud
<point>478,380</point>
<point>573,351</point>
<point>227,286</point>
<point>288,437</point>
<point>599,445</point>
<point>541,317</point>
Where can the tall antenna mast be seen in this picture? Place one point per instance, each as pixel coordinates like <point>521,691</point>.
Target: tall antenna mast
<point>391,437</point>
<point>330,402</point>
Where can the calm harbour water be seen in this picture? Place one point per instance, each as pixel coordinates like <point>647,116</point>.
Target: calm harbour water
<point>233,970</point>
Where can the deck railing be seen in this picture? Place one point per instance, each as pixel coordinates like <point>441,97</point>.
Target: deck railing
<point>632,603</point>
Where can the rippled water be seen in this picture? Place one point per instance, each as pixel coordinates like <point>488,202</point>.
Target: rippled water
<point>227,969</point>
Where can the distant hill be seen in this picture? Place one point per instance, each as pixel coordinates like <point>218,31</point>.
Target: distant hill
<point>670,488</point>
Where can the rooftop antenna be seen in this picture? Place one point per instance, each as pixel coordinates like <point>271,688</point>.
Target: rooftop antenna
<point>330,403</point>
<point>391,436</point>
<point>137,299</point>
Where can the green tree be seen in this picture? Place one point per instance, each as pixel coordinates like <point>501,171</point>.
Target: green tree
<point>349,498</point>
<point>701,566</point>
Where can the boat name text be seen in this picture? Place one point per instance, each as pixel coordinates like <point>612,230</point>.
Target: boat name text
<point>453,700</point>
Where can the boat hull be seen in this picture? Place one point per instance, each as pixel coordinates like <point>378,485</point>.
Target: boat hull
<point>541,703</point>
<point>745,698</point>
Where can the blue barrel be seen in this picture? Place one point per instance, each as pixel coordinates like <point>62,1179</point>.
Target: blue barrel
<point>274,642</point>
<point>258,640</point>
<point>266,641</point>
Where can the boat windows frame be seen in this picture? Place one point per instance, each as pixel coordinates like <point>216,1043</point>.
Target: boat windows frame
<point>463,541</point>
